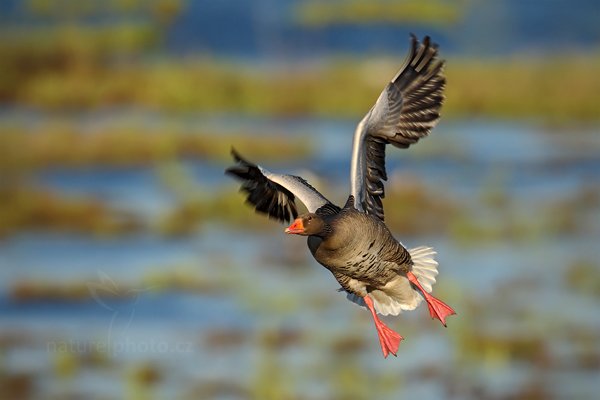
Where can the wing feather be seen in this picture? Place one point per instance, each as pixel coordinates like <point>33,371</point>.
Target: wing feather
<point>274,194</point>
<point>406,111</point>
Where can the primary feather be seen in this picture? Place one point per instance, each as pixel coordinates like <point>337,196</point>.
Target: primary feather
<point>406,110</point>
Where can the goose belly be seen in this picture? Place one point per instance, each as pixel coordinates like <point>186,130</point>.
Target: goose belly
<point>365,265</point>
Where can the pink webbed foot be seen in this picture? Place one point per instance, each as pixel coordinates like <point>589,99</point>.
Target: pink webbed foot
<point>388,339</point>
<point>437,308</point>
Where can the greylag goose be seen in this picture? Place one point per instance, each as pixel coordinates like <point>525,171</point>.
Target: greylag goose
<point>353,242</point>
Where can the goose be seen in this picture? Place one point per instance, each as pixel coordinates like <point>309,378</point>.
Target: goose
<point>374,269</point>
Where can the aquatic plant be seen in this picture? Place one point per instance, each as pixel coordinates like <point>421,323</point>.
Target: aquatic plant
<point>28,208</point>
<point>73,68</point>
<point>316,14</point>
<point>64,145</point>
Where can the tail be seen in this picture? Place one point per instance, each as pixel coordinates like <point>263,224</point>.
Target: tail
<point>424,266</point>
<point>399,295</point>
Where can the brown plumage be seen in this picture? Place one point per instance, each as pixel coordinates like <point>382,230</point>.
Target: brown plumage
<point>373,268</point>
<point>369,263</point>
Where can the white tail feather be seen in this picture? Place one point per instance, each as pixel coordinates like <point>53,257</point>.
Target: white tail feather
<point>424,266</point>
<point>399,295</point>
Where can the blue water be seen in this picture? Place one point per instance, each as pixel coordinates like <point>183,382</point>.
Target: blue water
<point>264,281</point>
<point>268,280</point>
<point>270,29</point>
<point>464,156</point>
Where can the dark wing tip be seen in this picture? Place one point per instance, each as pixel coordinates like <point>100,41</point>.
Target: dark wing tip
<point>413,39</point>
<point>238,158</point>
<point>426,41</point>
<point>414,99</point>
<point>266,196</point>
<point>235,154</point>
<point>243,168</point>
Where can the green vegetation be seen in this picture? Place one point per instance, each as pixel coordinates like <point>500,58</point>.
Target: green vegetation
<point>158,10</point>
<point>318,14</point>
<point>31,58</point>
<point>170,278</point>
<point>548,89</point>
<point>490,336</point>
<point>583,277</point>
<point>26,208</point>
<point>62,145</point>
<point>77,67</point>
<point>414,210</point>
<point>411,209</point>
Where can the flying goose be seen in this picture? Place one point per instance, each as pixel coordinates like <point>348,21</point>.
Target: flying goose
<point>353,242</point>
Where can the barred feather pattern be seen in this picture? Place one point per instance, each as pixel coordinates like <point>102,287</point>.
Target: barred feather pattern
<point>406,111</point>
<point>399,294</point>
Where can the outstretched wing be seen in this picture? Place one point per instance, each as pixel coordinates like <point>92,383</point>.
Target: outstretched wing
<point>274,194</point>
<point>407,110</point>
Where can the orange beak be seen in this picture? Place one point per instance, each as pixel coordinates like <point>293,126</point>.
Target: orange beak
<point>296,227</point>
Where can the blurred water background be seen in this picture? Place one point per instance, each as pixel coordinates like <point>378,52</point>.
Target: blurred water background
<point>130,268</point>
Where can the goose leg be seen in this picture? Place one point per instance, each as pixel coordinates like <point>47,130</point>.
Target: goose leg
<point>388,339</point>
<point>437,308</point>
